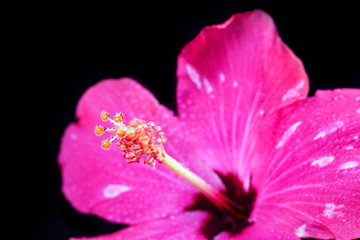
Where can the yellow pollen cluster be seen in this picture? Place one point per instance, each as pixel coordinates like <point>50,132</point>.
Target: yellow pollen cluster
<point>137,140</point>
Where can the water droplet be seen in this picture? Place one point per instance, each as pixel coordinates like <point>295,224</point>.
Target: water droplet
<point>114,190</point>
<point>222,77</point>
<point>208,86</point>
<point>322,162</point>
<point>194,75</point>
<point>348,165</point>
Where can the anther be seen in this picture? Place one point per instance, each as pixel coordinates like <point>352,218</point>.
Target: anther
<point>106,144</point>
<point>120,132</point>
<point>138,140</point>
<point>99,130</point>
<point>104,115</point>
<point>119,117</point>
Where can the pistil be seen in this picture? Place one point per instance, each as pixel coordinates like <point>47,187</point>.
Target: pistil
<point>220,200</point>
<point>140,140</point>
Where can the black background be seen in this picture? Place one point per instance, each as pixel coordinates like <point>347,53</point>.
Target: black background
<point>51,53</point>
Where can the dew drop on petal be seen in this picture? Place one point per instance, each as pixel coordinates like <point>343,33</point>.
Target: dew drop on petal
<point>329,129</point>
<point>300,232</point>
<point>222,77</point>
<point>332,210</point>
<point>350,164</point>
<point>287,134</point>
<point>114,190</point>
<point>322,162</point>
<point>194,76</point>
<point>294,92</point>
<point>208,86</point>
<point>290,94</point>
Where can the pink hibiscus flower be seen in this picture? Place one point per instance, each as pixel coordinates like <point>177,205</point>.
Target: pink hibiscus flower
<point>245,126</point>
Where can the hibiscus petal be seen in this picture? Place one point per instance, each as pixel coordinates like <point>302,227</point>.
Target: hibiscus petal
<point>230,76</point>
<point>265,228</point>
<point>102,183</point>
<point>182,227</point>
<point>306,166</point>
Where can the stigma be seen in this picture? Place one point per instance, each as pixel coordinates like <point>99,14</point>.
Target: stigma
<point>138,140</point>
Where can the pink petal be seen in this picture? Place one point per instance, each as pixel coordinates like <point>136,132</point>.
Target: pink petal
<point>102,183</point>
<point>183,227</point>
<point>265,228</point>
<point>306,166</point>
<point>230,76</point>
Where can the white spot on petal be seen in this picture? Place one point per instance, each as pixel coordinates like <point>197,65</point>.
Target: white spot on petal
<point>114,190</point>
<point>290,94</point>
<point>349,147</point>
<point>287,134</point>
<point>358,111</point>
<point>329,129</point>
<point>350,164</point>
<point>194,76</point>
<point>301,84</point>
<point>235,84</point>
<point>300,232</point>
<point>331,210</point>
<point>322,162</point>
<point>208,86</point>
<point>294,92</point>
<point>320,135</point>
<point>222,77</point>
<point>262,112</point>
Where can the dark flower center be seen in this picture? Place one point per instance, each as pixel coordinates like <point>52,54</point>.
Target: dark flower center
<point>219,221</point>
